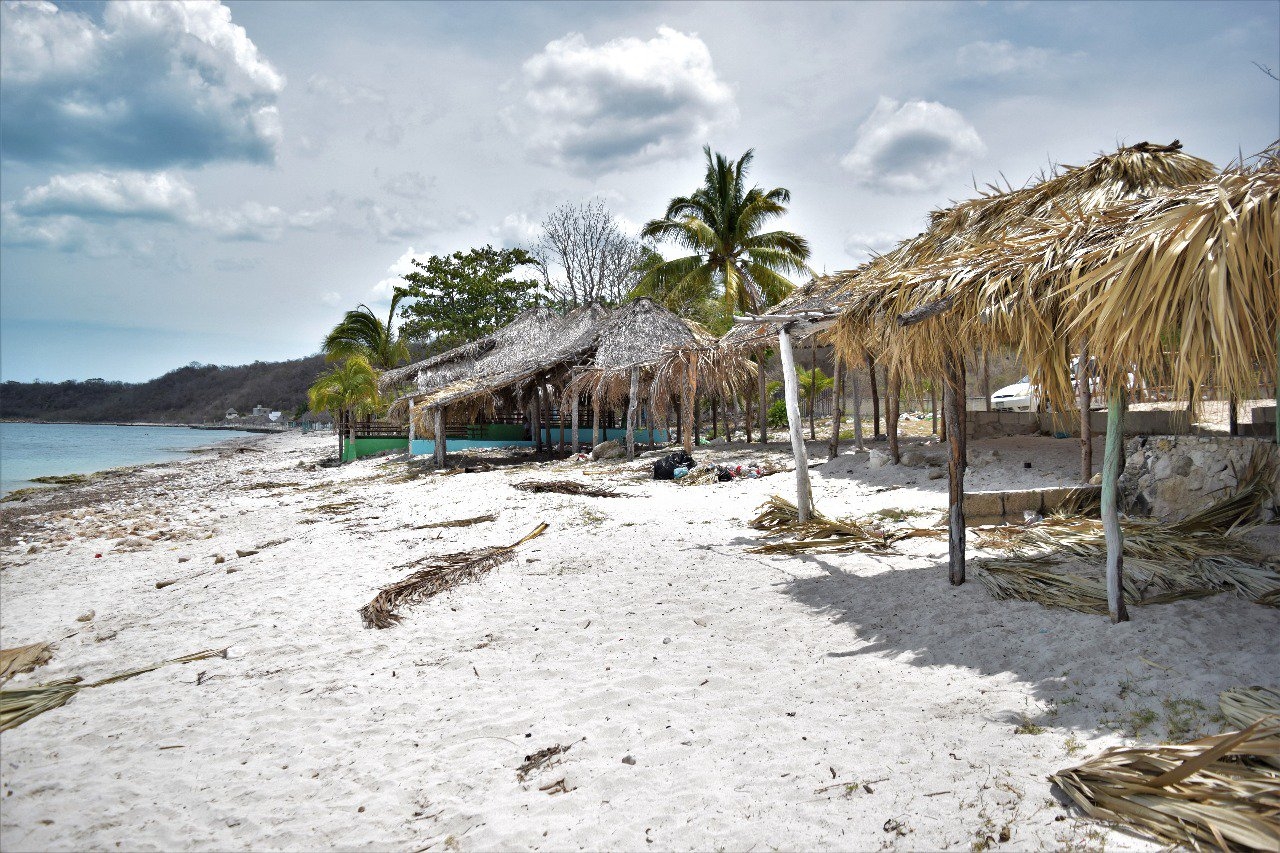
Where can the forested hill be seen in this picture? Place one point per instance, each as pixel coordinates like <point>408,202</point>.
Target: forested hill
<point>189,395</point>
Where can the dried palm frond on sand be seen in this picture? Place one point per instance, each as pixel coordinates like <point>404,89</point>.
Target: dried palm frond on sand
<point>565,487</point>
<point>440,574</point>
<point>22,659</point>
<point>779,517</point>
<point>1216,791</point>
<point>459,522</point>
<point>1244,706</point>
<point>21,704</point>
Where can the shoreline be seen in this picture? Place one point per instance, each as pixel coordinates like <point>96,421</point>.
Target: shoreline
<point>260,428</point>
<point>757,697</point>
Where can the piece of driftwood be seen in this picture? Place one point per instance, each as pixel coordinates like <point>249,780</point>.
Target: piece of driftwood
<point>437,575</point>
<point>565,487</point>
<point>457,522</point>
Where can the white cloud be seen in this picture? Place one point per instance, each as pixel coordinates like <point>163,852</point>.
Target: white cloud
<point>516,230</point>
<point>381,292</point>
<point>152,85</point>
<point>863,246</point>
<point>911,147</point>
<point>109,195</point>
<point>331,298</point>
<point>620,104</point>
<point>257,222</point>
<point>344,93</point>
<point>992,58</point>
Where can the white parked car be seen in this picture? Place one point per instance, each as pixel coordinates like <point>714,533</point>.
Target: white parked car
<point>1021,396</point>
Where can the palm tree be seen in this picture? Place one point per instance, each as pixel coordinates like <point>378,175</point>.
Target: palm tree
<point>363,333</point>
<point>812,384</point>
<point>351,387</point>
<point>721,224</point>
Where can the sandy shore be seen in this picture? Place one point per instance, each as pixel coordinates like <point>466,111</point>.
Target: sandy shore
<point>842,701</point>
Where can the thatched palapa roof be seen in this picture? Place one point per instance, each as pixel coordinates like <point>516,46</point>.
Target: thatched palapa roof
<point>821,295</point>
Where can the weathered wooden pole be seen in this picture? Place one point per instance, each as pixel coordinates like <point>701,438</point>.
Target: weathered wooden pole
<point>1233,416</point>
<point>933,405</point>
<point>892,404</point>
<point>837,409</point>
<point>804,496</point>
<point>986,382</point>
<point>573,425</point>
<point>875,395</point>
<point>812,397</point>
<point>954,408</point>
<point>649,419</point>
<point>410,426</point>
<point>633,406</point>
<point>595,418</point>
<point>746,417</point>
<point>535,421</point>
<point>560,420</point>
<point>1112,463</point>
<point>1084,399</point>
<point>441,445</point>
<point>762,382</point>
<point>857,409</point>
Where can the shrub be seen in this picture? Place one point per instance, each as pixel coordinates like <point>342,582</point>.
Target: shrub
<point>778,413</point>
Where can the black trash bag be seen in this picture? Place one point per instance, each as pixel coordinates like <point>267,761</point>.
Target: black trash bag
<point>723,474</point>
<point>665,468</point>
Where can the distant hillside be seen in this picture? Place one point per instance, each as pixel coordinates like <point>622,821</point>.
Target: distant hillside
<point>192,394</point>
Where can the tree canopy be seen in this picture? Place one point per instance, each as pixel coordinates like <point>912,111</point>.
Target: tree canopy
<point>362,333</point>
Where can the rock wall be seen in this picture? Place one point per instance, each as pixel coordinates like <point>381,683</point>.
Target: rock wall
<point>1172,476</point>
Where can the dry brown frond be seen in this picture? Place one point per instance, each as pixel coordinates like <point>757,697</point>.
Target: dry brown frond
<point>780,517</point>
<point>22,659</point>
<point>566,487</point>
<point>460,522</point>
<point>440,574</point>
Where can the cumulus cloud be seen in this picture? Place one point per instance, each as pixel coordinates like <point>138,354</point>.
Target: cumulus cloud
<point>865,245</point>
<point>911,147</point>
<point>620,104</point>
<point>516,230</point>
<point>993,58</point>
<point>57,214</point>
<point>152,85</point>
<point>382,291</point>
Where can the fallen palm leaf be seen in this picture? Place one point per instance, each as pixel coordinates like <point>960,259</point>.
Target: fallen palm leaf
<point>19,705</point>
<point>460,522</point>
<point>780,517</point>
<point>565,487</point>
<point>440,574</point>
<point>22,659</point>
<point>1244,706</point>
<point>1043,581</point>
<point>1215,791</point>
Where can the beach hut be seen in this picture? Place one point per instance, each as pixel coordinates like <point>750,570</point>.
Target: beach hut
<point>911,318</point>
<point>1195,263</point>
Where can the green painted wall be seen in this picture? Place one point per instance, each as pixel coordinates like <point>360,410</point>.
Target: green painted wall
<point>370,446</point>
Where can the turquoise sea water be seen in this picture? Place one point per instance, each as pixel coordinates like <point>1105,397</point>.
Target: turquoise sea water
<point>40,450</point>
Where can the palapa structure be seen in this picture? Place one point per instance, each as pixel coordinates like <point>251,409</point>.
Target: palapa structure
<point>543,355</point>
<point>1196,263</point>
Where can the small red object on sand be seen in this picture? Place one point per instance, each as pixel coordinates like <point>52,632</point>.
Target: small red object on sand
<point>96,556</point>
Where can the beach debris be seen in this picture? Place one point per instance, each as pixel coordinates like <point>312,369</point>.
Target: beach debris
<point>470,468</point>
<point>1244,706</point>
<point>779,517</point>
<point>629,760</point>
<point>19,705</point>
<point>610,449</point>
<point>22,659</point>
<point>565,487</point>
<point>437,575</point>
<point>1216,791</point>
<point>86,617</point>
<point>542,759</point>
<point>457,522</point>
<point>666,467</point>
<point>246,553</point>
<point>218,558</point>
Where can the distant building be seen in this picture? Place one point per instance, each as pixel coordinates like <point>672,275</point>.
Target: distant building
<point>260,411</point>
<point>232,414</point>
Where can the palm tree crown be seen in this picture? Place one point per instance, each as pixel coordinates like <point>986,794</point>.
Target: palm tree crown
<point>363,333</point>
<point>721,223</point>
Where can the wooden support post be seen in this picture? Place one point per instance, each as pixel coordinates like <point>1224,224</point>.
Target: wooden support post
<point>573,424</point>
<point>812,395</point>
<point>633,406</point>
<point>875,396</point>
<point>933,404</point>
<point>804,496</point>
<point>535,421</point>
<point>411,426</point>
<point>762,382</point>
<point>441,445</point>
<point>954,405</point>
<point>986,382</point>
<point>649,420</point>
<point>857,409</point>
<point>1233,416</point>
<point>1112,463</point>
<point>837,409</point>
<point>595,419</point>
<point>746,416</point>
<point>892,404</point>
<point>686,409</point>
<point>1084,400</point>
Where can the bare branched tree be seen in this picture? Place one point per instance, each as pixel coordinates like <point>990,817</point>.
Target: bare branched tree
<point>585,256</point>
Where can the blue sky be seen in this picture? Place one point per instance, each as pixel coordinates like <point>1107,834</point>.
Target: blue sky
<point>217,183</point>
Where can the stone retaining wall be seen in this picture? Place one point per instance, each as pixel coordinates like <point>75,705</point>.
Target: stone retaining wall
<point>995,507</point>
<point>1172,476</point>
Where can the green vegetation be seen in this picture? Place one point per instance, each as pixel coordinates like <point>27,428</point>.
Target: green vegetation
<point>362,333</point>
<point>351,388</point>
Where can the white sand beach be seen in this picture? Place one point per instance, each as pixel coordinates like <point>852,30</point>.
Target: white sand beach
<point>710,698</point>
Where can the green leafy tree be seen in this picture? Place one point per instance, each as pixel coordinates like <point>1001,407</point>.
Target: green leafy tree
<point>350,388</point>
<point>812,384</point>
<point>722,224</point>
<point>464,296</point>
<point>363,333</point>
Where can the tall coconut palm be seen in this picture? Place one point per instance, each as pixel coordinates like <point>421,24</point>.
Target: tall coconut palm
<point>721,223</point>
<point>351,387</point>
<point>363,333</point>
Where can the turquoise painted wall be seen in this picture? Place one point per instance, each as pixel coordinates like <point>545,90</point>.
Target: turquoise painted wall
<point>425,446</point>
<point>370,446</point>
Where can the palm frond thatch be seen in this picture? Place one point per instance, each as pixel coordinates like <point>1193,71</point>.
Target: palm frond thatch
<point>21,704</point>
<point>22,659</point>
<point>1213,792</point>
<point>565,487</point>
<point>1244,706</point>
<point>780,517</point>
<point>440,574</point>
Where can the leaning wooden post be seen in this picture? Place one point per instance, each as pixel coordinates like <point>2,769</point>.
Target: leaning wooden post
<point>837,409</point>
<point>595,419</point>
<point>1084,395</point>
<point>573,424</point>
<point>1233,416</point>
<point>762,383</point>
<point>686,408</point>
<point>633,406</point>
<point>1112,463</point>
<point>857,410</point>
<point>438,424</point>
<point>953,404</point>
<point>892,404</point>
<point>410,426</point>
<point>986,382</point>
<point>535,422</point>
<point>875,395</point>
<point>804,497</point>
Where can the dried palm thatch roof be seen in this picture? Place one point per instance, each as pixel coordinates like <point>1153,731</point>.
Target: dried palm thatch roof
<point>1198,265</point>
<point>440,368</point>
<point>821,295</point>
<point>872,295</point>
